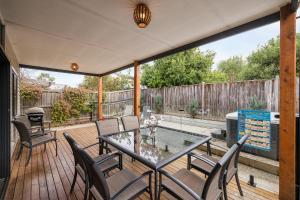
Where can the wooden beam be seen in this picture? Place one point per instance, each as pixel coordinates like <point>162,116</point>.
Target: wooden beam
<point>137,90</point>
<point>100,96</point>
<point>287,147</point>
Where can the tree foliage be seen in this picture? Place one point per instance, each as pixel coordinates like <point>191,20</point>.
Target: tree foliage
<point>232,68</point>
<point>110,82</point>
<point>215,76</point>
<point>263,63</point>
<point>46,77</point>
<point>184,68</point>
<point>30,92</point>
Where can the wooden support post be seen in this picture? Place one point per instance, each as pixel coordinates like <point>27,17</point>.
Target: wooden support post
<point>137,90</point>
<point>287,147</point>
<point>100,96</point>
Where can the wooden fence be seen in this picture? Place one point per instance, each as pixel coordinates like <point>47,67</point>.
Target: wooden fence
<point>217,99</point>
<point>48,99</point>
<point>214,100</point>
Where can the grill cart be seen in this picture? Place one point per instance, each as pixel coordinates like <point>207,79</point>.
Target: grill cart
<point>36,118</point>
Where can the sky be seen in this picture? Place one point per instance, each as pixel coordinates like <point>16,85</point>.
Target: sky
<point>238,45</point>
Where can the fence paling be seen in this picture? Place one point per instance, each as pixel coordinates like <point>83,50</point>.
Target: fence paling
<point>215,100</point>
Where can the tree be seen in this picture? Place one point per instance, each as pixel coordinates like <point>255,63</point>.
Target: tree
<point>232,68</point>
<point>263,63</point>
<point>110,83</point>
<point>216,76</point>
<point>90,82</point>
<point>46,77</point>
<point>184,68</point>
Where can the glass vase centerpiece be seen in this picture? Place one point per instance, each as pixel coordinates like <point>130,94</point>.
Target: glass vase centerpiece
<point>152,123</point>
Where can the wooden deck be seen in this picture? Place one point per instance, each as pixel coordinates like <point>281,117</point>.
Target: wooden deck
<point>50,177</point>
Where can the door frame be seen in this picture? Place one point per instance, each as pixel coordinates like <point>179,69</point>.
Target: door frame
<point>5,115</point>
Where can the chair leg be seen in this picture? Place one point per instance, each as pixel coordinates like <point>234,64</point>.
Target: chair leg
<point>150,194</point>
<point>221,197</point>
<point>20,151</point>
<point>45,146</point>
<point>74,181</point>
<point>150,187</point>
<point>90,195</point>
<point>86,190</point>
<point>159,187</point>
<point>224,191</point>
<point>106,148</point>
<point>238,184</point>
<point>120,162</point>
<point>189,163</point>
<point>56,147</point>
<point>29,155</point>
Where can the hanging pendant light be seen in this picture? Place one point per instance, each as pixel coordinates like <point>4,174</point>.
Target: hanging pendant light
<point>74,67</point>
<point>142,15</point>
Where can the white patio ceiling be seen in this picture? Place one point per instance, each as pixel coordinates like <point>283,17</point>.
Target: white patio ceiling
<point>100,35</point>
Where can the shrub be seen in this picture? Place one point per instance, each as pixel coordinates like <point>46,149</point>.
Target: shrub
<point>257,105</point>
<point>60,112</point>
<point>193,108</point>
<point>30,92</point>
<point>158,104</point>
<point>79,99</point>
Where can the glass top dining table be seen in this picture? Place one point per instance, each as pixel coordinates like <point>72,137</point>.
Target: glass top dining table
<point>156,146</point>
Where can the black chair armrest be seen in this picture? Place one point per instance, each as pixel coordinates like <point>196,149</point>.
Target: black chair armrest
<point>180,184</point>
<point>110,156</point>
<point>204,159</point>
<point>90,145</point>
<point>147,173</point>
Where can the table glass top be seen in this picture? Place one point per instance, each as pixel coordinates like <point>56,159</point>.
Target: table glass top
<point>159,145</point>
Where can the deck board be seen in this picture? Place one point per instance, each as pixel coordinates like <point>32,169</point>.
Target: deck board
<point>50,177</point>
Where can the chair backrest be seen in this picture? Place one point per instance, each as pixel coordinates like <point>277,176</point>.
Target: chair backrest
<point>99,182</point>
<point>214,181</point>
<point>107,126</point>
<point>233,163</point>
<point>23,126</point>
<point>240,144</point>
<point>88,162</point>
<point>74,146</point>
<point>81,157</point>
<point>130,122</point>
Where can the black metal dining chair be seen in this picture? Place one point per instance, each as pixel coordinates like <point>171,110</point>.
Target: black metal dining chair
<point>28,140</point>
<point>106,166</point>
<point>130,122</point>
<point>122,185</point>
<point>185,184</point>
<point>205,164</point>
<point>106,127</point>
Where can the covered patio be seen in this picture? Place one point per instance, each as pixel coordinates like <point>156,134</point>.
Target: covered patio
<point>101,38</point>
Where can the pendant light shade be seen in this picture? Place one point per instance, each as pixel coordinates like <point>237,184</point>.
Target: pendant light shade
<point>74,67</point>
<point>142,15</point>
